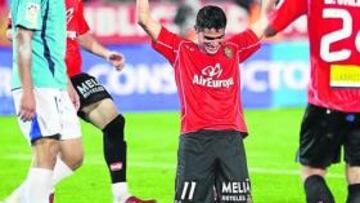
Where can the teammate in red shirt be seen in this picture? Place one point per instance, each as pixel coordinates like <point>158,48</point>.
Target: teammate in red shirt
<point>96,105</point>
<point>332,117</point>
<point>207,75</point>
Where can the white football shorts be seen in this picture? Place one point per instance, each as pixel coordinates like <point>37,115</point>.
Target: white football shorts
<point>55,115</point>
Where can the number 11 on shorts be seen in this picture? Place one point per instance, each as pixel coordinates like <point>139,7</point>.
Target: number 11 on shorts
<point>188,190</point>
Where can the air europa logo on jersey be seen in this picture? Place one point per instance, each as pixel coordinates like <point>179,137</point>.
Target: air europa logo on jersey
<point>211,71</point>
<point>208,75</point>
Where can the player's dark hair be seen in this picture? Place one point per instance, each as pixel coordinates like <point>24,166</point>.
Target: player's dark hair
<point>210,17</point>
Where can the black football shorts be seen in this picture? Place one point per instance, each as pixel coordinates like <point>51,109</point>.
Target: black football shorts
<point>323,134</point>
<point>212,168</point>
<point>89,90</point>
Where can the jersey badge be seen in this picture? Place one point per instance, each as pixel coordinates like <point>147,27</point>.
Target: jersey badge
<point>32,12</point>
<point>228,52</point>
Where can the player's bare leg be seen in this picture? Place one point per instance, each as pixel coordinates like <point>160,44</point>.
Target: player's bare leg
<point>70,159</point>
<point>71,154</point>
<point>104,115</point>
<point>43,162</point>
<point>40,175</point>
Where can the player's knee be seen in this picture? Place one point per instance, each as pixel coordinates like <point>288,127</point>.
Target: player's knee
<point>74,160</point>
<point>45,152</point>
<point>308,171</point>
<point>114,131</point>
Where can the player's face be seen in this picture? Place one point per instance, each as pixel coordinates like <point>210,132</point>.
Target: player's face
<point>210,40</point>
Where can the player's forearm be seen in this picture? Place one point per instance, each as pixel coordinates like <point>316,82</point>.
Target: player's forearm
<point>262,23</point>
<point>143,12</point>
<point>145,20</point>
<point>23,50</point>
<point>88,42</point>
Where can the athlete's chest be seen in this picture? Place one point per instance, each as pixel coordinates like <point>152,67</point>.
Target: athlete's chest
<point>195,60</point>
<point>220,70</point>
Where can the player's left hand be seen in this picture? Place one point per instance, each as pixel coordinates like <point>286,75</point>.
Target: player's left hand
<point>116,59</point>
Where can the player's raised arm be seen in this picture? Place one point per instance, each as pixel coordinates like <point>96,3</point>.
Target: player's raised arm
<point>151,26</point>
<point>287,13</point>
<point>88,42</point>
<point>262,23</point>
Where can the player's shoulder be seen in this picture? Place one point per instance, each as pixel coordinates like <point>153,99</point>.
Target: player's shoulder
<point>188,45</point>
<point>229,42</point>
<point>231,45</point>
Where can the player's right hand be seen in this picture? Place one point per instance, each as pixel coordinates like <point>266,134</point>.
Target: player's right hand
<point>116,59</point>
<point>27,106</point>
<point>75,99</point>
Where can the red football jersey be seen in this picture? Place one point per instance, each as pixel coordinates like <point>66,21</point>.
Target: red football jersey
<point>76,25</point>
<point>334,33</point>
<point>208,85</point>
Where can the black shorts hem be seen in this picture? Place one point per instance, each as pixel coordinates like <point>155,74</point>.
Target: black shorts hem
<point>89,94</point>
<point>306,162</point>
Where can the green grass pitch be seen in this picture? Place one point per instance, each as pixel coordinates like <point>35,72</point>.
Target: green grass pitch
<point>152,143</point>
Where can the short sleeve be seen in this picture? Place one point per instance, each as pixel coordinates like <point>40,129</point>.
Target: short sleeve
<point>167,44</point>
<point>247,42</point>
<point>29,14</point>
<point>83,26</point>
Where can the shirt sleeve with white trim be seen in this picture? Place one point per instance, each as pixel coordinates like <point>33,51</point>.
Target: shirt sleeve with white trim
<point>167,44</point>
<point>247,42</point>
<point>82,24</point>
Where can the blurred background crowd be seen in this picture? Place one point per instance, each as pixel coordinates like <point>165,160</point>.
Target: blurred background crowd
<point>184,17</point>
<point>269,75</point>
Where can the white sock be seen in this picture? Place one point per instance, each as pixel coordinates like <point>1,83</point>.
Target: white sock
<point>39,182</point>
<point>61,171</point>
<point>16,195</point>
<point>120,192</point>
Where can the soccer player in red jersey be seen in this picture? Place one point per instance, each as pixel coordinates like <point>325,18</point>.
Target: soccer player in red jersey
<point>331,119</point>
<point>211,153</point>
<point>96,105</point>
